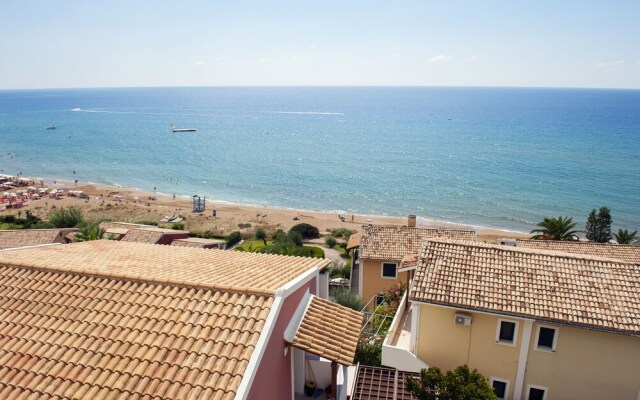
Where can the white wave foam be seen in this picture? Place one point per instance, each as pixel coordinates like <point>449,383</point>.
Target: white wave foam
<point>302,112</point>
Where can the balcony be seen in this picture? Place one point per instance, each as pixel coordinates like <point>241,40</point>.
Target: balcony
<point>397,348</point>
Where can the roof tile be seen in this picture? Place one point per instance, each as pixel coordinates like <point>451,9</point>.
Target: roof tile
<point>623,252</point>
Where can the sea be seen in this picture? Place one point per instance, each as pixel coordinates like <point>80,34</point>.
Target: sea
<point>487,157</point>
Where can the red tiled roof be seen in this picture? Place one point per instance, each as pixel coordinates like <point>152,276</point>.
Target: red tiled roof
<point>623,252</point>
<point>585,291</point>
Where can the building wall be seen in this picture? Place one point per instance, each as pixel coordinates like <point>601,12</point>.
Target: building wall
<point>273,380</point>
<point>372,280</point>
<point>586,364</point>
<point>170,237</point>
<point>443,344</point>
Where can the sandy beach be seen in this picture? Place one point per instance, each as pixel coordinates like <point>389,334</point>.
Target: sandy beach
<point>131,205</point>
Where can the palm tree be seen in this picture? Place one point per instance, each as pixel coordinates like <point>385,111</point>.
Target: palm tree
<point>89,231</point>
<point>624,237</point>
<point>556,229</point>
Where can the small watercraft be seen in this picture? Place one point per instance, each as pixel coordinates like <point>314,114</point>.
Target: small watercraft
<point>174,129</point>
<point>51,127</point>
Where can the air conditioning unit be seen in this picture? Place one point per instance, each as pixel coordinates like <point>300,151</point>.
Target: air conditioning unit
<point>462,319</point>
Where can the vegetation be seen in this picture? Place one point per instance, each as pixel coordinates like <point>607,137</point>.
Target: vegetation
<point>341,271</point>
<point>178,226</point>
<point>342,233</point>
<point>206,235</point>
<point>261,235</point>
<point>345,297</point>
<point>598,226</point>
<point>295,237</point>
<point>29,221</point>
<point>89,231</point>
<point>560,228</point>
<point>461,383</point>
<point>145,222</point>
<point>624,237</point>
<point>368,352</point>
<point>331,242</point>
<point>70,217</point>
<point>282,244</point>
<point>307,231</point>
<point>244,225</point>
<point>233,238</point>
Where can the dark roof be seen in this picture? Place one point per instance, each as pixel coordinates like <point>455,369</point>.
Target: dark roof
<point>378,383</point>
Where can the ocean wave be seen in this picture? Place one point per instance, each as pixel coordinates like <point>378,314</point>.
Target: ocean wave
<point>302,112</point>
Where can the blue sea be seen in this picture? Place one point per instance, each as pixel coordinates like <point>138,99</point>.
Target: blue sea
<point>495,157</point>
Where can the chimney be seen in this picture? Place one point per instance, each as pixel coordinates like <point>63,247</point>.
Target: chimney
<point>411,221</point>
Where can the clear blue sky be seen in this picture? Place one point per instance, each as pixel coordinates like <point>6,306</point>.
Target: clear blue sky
<point>50,44</point>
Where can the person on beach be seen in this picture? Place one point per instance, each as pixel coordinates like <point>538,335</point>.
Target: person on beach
<point>174,196</point>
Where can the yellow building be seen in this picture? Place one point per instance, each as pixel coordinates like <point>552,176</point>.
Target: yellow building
<point>539,324</point>
<point>379,251</point>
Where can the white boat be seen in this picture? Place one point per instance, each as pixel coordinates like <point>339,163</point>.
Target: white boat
<point>51,127</point>
<point>174,129</point>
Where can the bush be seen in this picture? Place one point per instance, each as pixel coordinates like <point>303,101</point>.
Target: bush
<point>244,225</point>
<point>295,237</point>
<point>177,226</point>
<point>279,236</point>
<point>66,217</point>
<point>206,235</point>
<point>461,383</point>
<point>8,219</point>
<point>345,297</point>
<point>368,352</point>
<point>341,272</point>
<point>261,235</point>
<point>42,225</point>
<point>331,242</point>
<point>342,232</point>
<point>307,231</point>
<point>233,238</point>
<point>154,223</point>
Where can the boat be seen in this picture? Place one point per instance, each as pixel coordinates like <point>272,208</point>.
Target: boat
<point>174,129</point>
<point>51,127</point>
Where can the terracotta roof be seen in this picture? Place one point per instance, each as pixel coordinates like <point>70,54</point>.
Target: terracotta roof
<point>148,235</point>
<point>329,330</point>
<point>378,383</point>
<point>122,225</point>
<point>196,242</point>
<point>624,252</point>
<point>224,270</point>
<point>31,237</point>
<point>578,290</point>
<point>394,242</point>
<point>354,240</point>
<point>78,336</point>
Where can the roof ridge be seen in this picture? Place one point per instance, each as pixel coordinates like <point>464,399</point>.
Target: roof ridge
<point>582,242</point>
<point>136,278</point>
<point>526,250</point>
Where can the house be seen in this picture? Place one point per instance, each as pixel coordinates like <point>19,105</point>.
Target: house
<point>380,250</point>
<point>200,243</point>
<point>624,252</point>
<point>154,235</point>
<point>539,324</point>
<point>34,237</point>
<point>110,319</point>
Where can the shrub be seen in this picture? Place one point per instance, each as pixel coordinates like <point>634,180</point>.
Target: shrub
<point>261,235</point>
<point>177,226</point>
<point>307,231</point>
<point>331,242</point>
<point>368,352</point>
<point>244,225</point>
<point>295,237</point>
<point>8,219</point>
<point>42,225</point>
<point>144,222</point>
<point>233,238</point>
<point>345,297</point>
<point>461,383</point>
<point>66,217</point>
<point>341,272</point>
<point>279,236</point>
<point>342,232</point>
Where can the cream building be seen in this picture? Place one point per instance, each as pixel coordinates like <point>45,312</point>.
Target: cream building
<point>539,324</point>
<point>379,251</point>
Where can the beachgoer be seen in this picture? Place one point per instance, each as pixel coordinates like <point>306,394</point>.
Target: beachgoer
<point>214,213</point>
<point>174,196</point>
<point>351,217</point>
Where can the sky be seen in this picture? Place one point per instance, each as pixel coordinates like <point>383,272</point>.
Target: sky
<point>76,44</point>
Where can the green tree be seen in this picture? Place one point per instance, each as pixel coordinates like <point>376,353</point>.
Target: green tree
<point>459,384</point>
<point>368,352</point>
<point>624,237</point>
<point>345,297</point>
<point>598,227</point>
<point>331,242</point>
<point>560,228</point>
<point>307,231</point>
<point>261,235</point>
<point>89,231</point>
<point>233,238</point>
<point>295,237</point>
<point>66,217</point>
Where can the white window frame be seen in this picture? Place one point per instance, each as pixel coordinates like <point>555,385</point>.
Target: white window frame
<point>546,391</point>
<point>382,270</point>
<point>555,339</point>
<point>515,332</point>
<point>506,389</point>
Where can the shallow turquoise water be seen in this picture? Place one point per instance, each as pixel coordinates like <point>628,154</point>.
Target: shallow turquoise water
<point>482,156</point>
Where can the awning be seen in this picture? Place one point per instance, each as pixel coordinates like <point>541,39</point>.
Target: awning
<point>326,329</point>
<point>354,241</point>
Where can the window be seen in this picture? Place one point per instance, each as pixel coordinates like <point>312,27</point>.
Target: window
<point>547,338</point>
<point>537,393</point>
<point>389,270</point>
<point>507,331</point>
<point>500,388</point>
